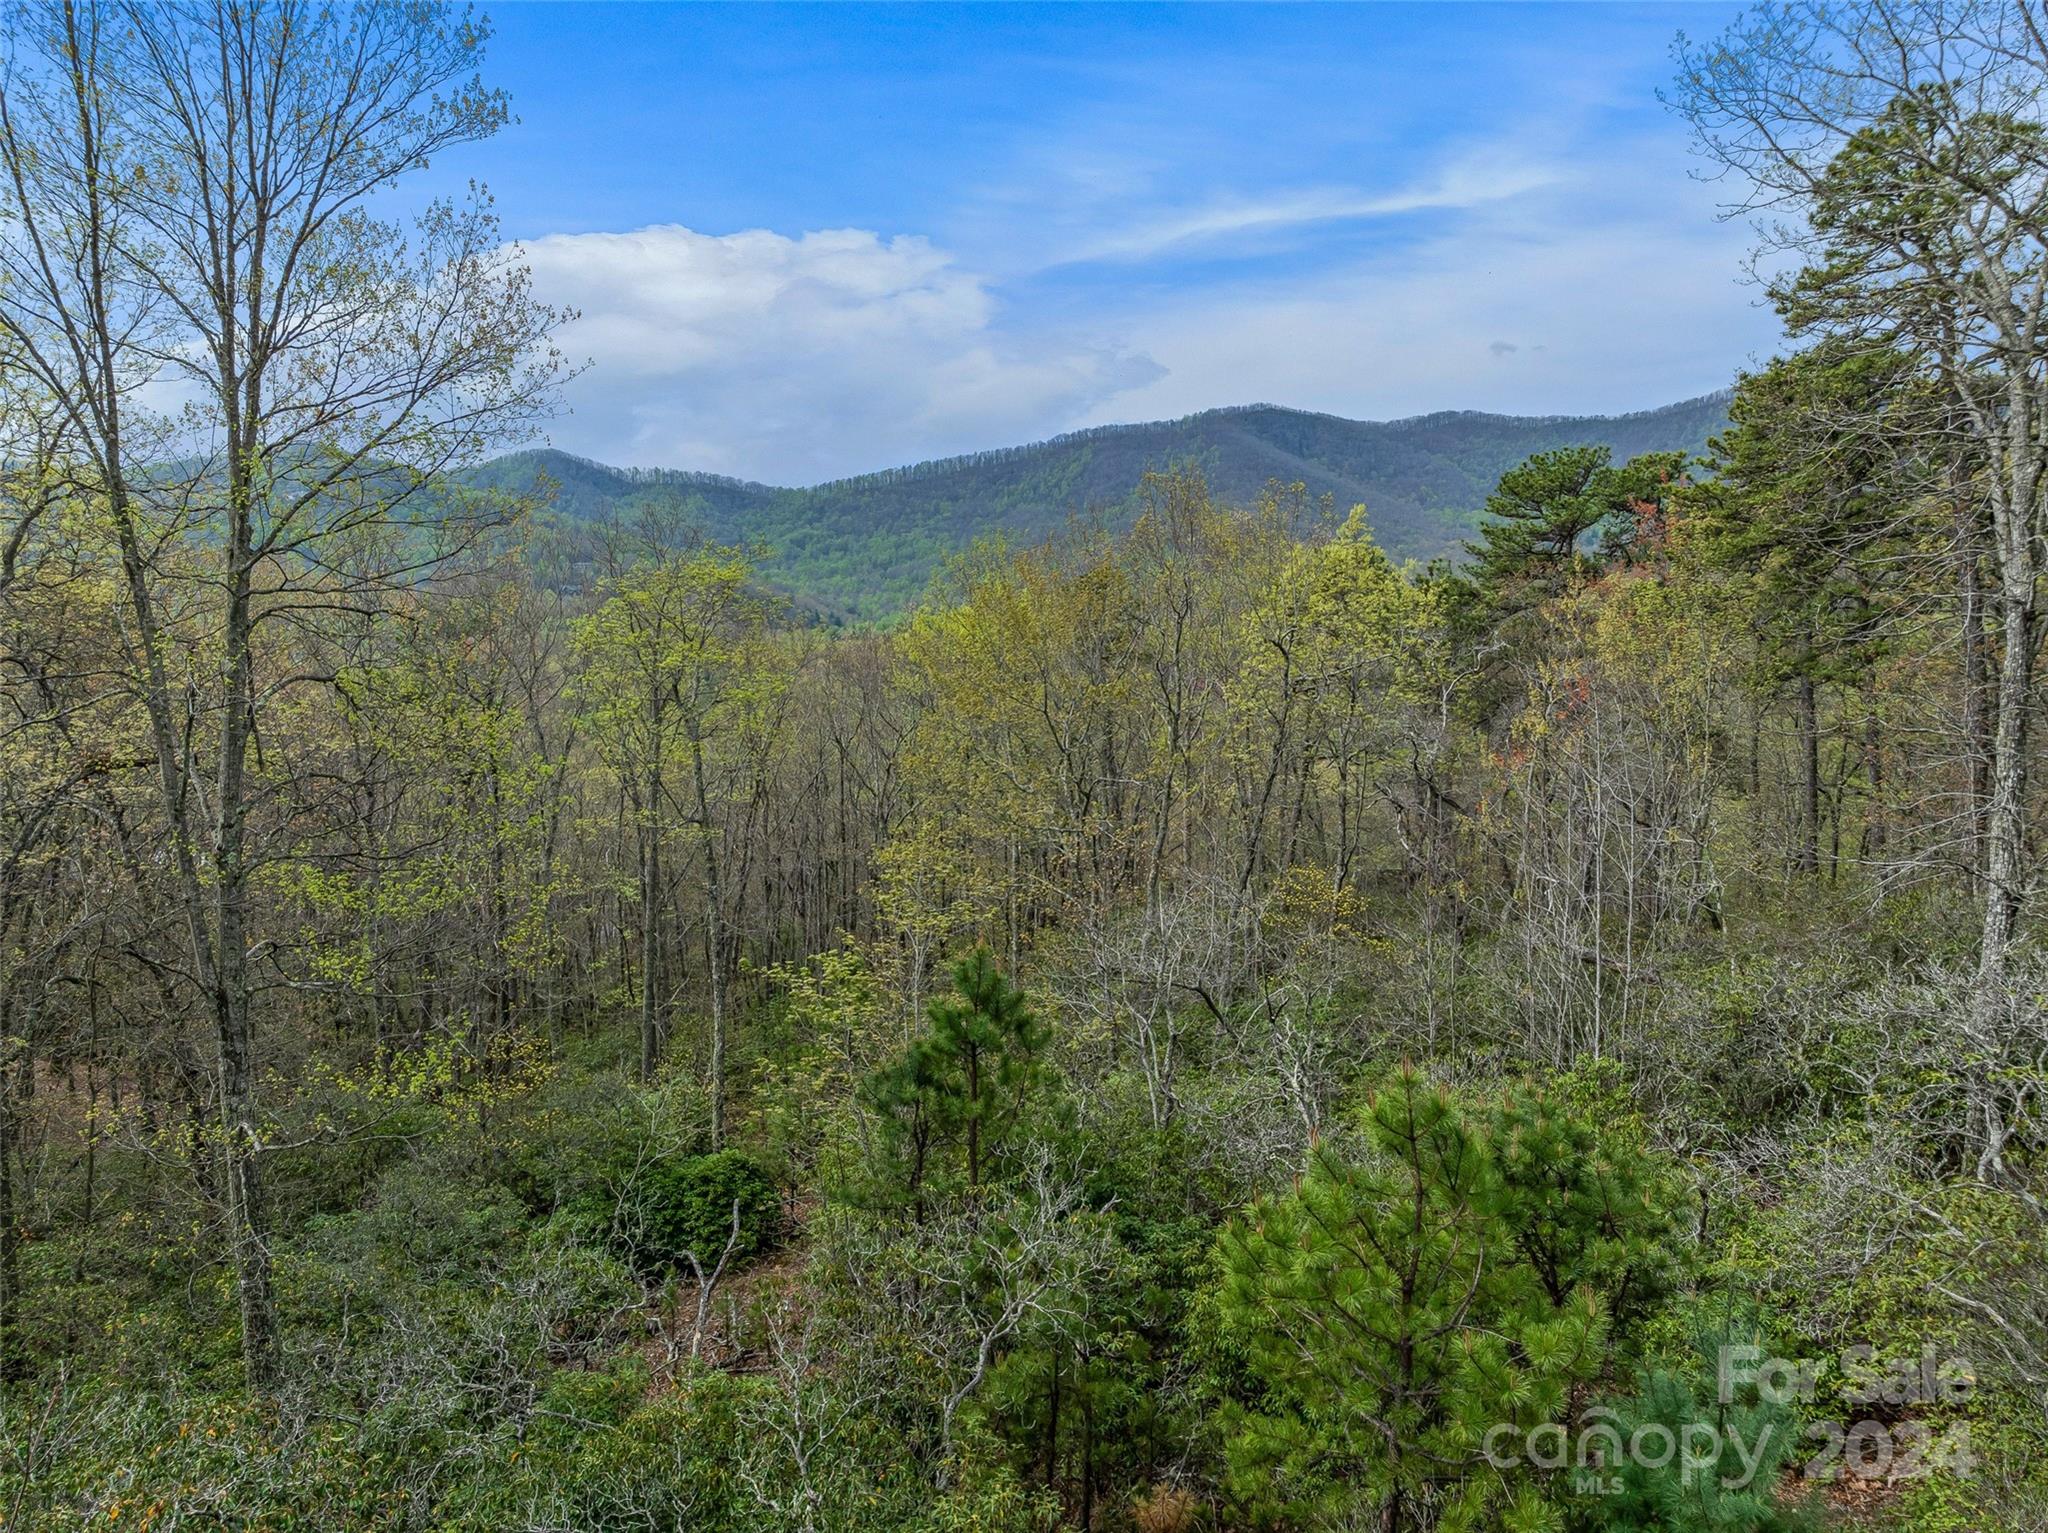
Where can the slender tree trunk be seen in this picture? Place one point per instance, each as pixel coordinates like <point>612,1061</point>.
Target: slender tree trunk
<point>2005,851</point>
<point>1877,831</point>
<point>1087,1446</point>
<point>1809,760</point>
<point>240,1120</point>
<point>973,1116</point>
<point>650,929</point>
<point>714,932</point>
<point>1052,1425</point>
<point>1977,716</point>
<point>12,1360</point>
<point>2005,820</point>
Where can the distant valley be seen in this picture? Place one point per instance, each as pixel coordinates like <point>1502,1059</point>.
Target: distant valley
<point>861,549</point>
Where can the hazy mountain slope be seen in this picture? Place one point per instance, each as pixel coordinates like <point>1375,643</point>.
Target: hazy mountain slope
<point>866,546</point>
<point>589,491</point>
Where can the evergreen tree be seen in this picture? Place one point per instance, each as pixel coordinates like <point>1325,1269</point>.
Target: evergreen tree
<point>1543,518</point>
<point>1388,1329</point>
<point>1563,516</point>
<point>1746,1437</point>
<point>1556,521</point>
<point>965,1084</point>
<point>1592,1210</point>
<point>1804,504</point>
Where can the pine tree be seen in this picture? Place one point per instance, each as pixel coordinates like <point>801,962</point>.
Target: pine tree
<point>1557,521</point>
<point>1751,1439</point>
<point>988,1035</point>
<point>1591,1208</point>
<point>1805,506</point>
<point>1388,1328</point>
<point>965,1084</point>
<point>1542,519</point>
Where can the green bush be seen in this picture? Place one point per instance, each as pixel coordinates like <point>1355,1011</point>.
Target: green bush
<point>685,1206</point>
<point>563,1145</point>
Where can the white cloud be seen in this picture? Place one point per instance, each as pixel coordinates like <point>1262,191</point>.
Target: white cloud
<point>796,359</point>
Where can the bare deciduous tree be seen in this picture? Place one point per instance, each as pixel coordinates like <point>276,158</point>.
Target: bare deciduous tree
<point>267,383</point>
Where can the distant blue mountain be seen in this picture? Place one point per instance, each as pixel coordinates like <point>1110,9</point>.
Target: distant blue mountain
<point>865,547</point>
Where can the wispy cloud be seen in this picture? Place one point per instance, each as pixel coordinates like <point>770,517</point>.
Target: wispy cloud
<point>1579,298</point>
<point>1169,230</point>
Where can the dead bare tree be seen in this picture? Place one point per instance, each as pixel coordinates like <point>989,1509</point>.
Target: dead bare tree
<point>816,1390</point>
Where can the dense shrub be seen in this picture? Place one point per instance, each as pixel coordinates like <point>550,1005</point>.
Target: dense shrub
<point>686,1206</point>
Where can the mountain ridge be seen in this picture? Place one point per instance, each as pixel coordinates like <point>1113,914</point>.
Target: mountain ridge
<point>864,546</point>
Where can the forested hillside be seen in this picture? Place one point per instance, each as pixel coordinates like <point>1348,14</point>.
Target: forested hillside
<point>1200,1026</point>
<point>866,548</point>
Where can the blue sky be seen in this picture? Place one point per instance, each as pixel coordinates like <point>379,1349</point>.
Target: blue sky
<point>808,241</point>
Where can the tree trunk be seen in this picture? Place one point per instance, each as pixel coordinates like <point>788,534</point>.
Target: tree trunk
<point>1877,831</point>
<point>1052,1426</point>
<point>2005,852</point>
<point>714,933</point>
<point>2005,819</point>
<point>1977,717</point>
<point>974,1117</point>
<point>248,1229</point>
<point>1809,762</point>
<point>240,280</point>
<point>1087,1446</point>
<point>12,1361</point>
<point>650,930</point>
